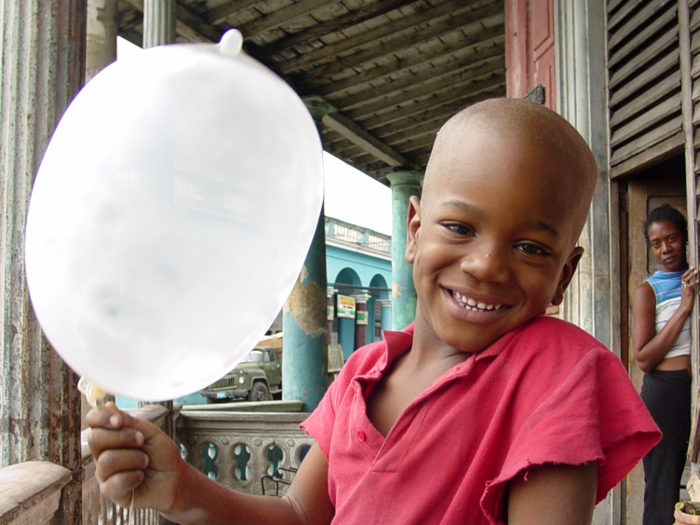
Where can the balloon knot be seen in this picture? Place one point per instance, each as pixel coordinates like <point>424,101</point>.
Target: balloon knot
<point>231,42</point>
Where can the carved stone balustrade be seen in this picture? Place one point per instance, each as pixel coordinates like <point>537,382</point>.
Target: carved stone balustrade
<point>238,448</point>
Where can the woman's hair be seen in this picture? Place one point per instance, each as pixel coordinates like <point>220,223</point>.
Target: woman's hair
<point>670,214</point>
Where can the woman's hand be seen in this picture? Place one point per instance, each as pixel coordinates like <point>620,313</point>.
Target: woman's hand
<point>689,283</point>
<point>133,455</point>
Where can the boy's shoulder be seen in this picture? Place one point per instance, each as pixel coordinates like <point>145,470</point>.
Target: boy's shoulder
<point>553,326</point>
<point>548,339</point>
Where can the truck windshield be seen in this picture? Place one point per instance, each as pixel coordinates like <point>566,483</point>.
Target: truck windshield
<point>254,356</point>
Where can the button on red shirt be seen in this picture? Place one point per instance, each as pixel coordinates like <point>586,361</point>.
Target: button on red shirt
<point>361,436</point>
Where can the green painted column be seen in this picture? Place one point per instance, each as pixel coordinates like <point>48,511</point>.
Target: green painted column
<point>304,321</point>
<point>403,293</point>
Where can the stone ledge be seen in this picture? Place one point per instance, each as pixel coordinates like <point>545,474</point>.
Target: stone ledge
<point>31,487</point>
<point>248,406</point>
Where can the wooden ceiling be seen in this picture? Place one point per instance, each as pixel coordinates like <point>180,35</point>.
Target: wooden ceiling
<point>391,71</point>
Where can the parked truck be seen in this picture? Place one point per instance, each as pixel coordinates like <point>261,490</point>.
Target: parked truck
<point>255,378</point>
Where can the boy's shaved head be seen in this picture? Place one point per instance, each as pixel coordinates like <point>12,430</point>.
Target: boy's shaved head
<point>538,130</point>
<point>493,239</point>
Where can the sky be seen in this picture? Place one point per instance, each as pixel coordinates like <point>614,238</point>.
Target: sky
<point>350,195</point>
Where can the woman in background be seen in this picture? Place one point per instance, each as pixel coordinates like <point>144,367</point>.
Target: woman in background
<point>661,342</point>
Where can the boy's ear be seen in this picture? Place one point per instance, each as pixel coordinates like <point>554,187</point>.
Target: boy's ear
<point>413,224</point>
<point>566,274</point>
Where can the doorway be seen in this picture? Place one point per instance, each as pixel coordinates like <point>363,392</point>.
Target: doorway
<point>639,194</point>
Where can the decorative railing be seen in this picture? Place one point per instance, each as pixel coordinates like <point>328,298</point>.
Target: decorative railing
<point>235,448</point>
<point>238,449</point>
<point>353,234</point>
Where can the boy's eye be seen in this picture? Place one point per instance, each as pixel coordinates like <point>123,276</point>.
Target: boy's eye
<point>531,249</point>
<point>459,229</point>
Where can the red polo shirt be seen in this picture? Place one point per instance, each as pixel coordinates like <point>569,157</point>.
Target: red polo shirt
<point>546,392</point>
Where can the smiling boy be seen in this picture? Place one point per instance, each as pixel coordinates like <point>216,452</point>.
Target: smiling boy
<point>482,411</point>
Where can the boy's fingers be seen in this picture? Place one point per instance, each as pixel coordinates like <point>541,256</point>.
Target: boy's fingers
<point>116,462</point>
<point>118,488</point>
<point>100,439</point>
<point>109,416</point>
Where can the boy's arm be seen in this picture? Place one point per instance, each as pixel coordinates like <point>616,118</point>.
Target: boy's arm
<point>553,494</point>
<point>133,455</point>
<point>201,501</point>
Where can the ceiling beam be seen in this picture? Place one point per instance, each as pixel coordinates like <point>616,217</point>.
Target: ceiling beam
<point>219,14</point>
<point>467,85</point>
<point>468,20</point>
<point>484,38</point>
<point>331,51</point>
<point>355,134</point>
<point>283,16</point>
<point>415,114</point>
<point>472,64</point>
<point>334,25</point>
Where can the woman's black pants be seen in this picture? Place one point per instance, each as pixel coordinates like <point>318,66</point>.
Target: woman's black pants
<point>666,393</point>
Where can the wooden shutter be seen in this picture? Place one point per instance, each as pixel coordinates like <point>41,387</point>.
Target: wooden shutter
<point>644,81</point>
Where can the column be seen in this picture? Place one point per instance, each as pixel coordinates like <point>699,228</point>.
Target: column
<point>159,29</point>
<point>385,305</point>
<point>361,319</point>
<point>403,293</point>
<point>580,53</point>
<point>42,67</point>
<point>100,51</point>
<point>305,362</point>
<point>101,45</point>
<point>158,22</point>
<point>330,312</point>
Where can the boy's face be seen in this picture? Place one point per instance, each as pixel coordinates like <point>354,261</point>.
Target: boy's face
<point>492,241</point>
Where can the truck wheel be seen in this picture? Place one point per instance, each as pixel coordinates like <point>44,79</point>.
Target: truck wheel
<point>259,392</point>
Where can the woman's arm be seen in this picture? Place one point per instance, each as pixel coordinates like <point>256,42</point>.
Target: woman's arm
<point>553,494</point>
<point>649,347</point>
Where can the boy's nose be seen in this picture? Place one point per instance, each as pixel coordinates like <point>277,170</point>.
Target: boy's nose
<point>485,264</point>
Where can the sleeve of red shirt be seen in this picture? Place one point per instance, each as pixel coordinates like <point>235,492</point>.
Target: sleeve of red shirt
<point>594,414</point>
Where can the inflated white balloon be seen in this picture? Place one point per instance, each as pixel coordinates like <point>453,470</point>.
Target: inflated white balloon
<point>171,216</point>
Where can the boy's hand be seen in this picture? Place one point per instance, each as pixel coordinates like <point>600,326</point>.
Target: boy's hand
<point>133,455</point>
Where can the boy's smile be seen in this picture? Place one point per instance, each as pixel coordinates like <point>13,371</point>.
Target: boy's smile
<point>492,240</point>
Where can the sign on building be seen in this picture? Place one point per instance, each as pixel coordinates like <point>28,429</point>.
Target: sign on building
<point>346,307</point>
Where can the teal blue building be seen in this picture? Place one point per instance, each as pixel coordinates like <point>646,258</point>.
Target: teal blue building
<point>358,265</point>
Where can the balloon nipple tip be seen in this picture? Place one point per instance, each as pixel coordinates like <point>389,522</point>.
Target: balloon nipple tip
<point>231,42</point>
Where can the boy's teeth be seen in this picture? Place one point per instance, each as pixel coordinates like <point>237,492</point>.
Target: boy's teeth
<point>471,304</point>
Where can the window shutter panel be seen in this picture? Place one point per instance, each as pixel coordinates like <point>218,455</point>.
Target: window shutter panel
<point>644,81</point>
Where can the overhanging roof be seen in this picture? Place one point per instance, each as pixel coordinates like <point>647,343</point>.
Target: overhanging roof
<point>392,70</point>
